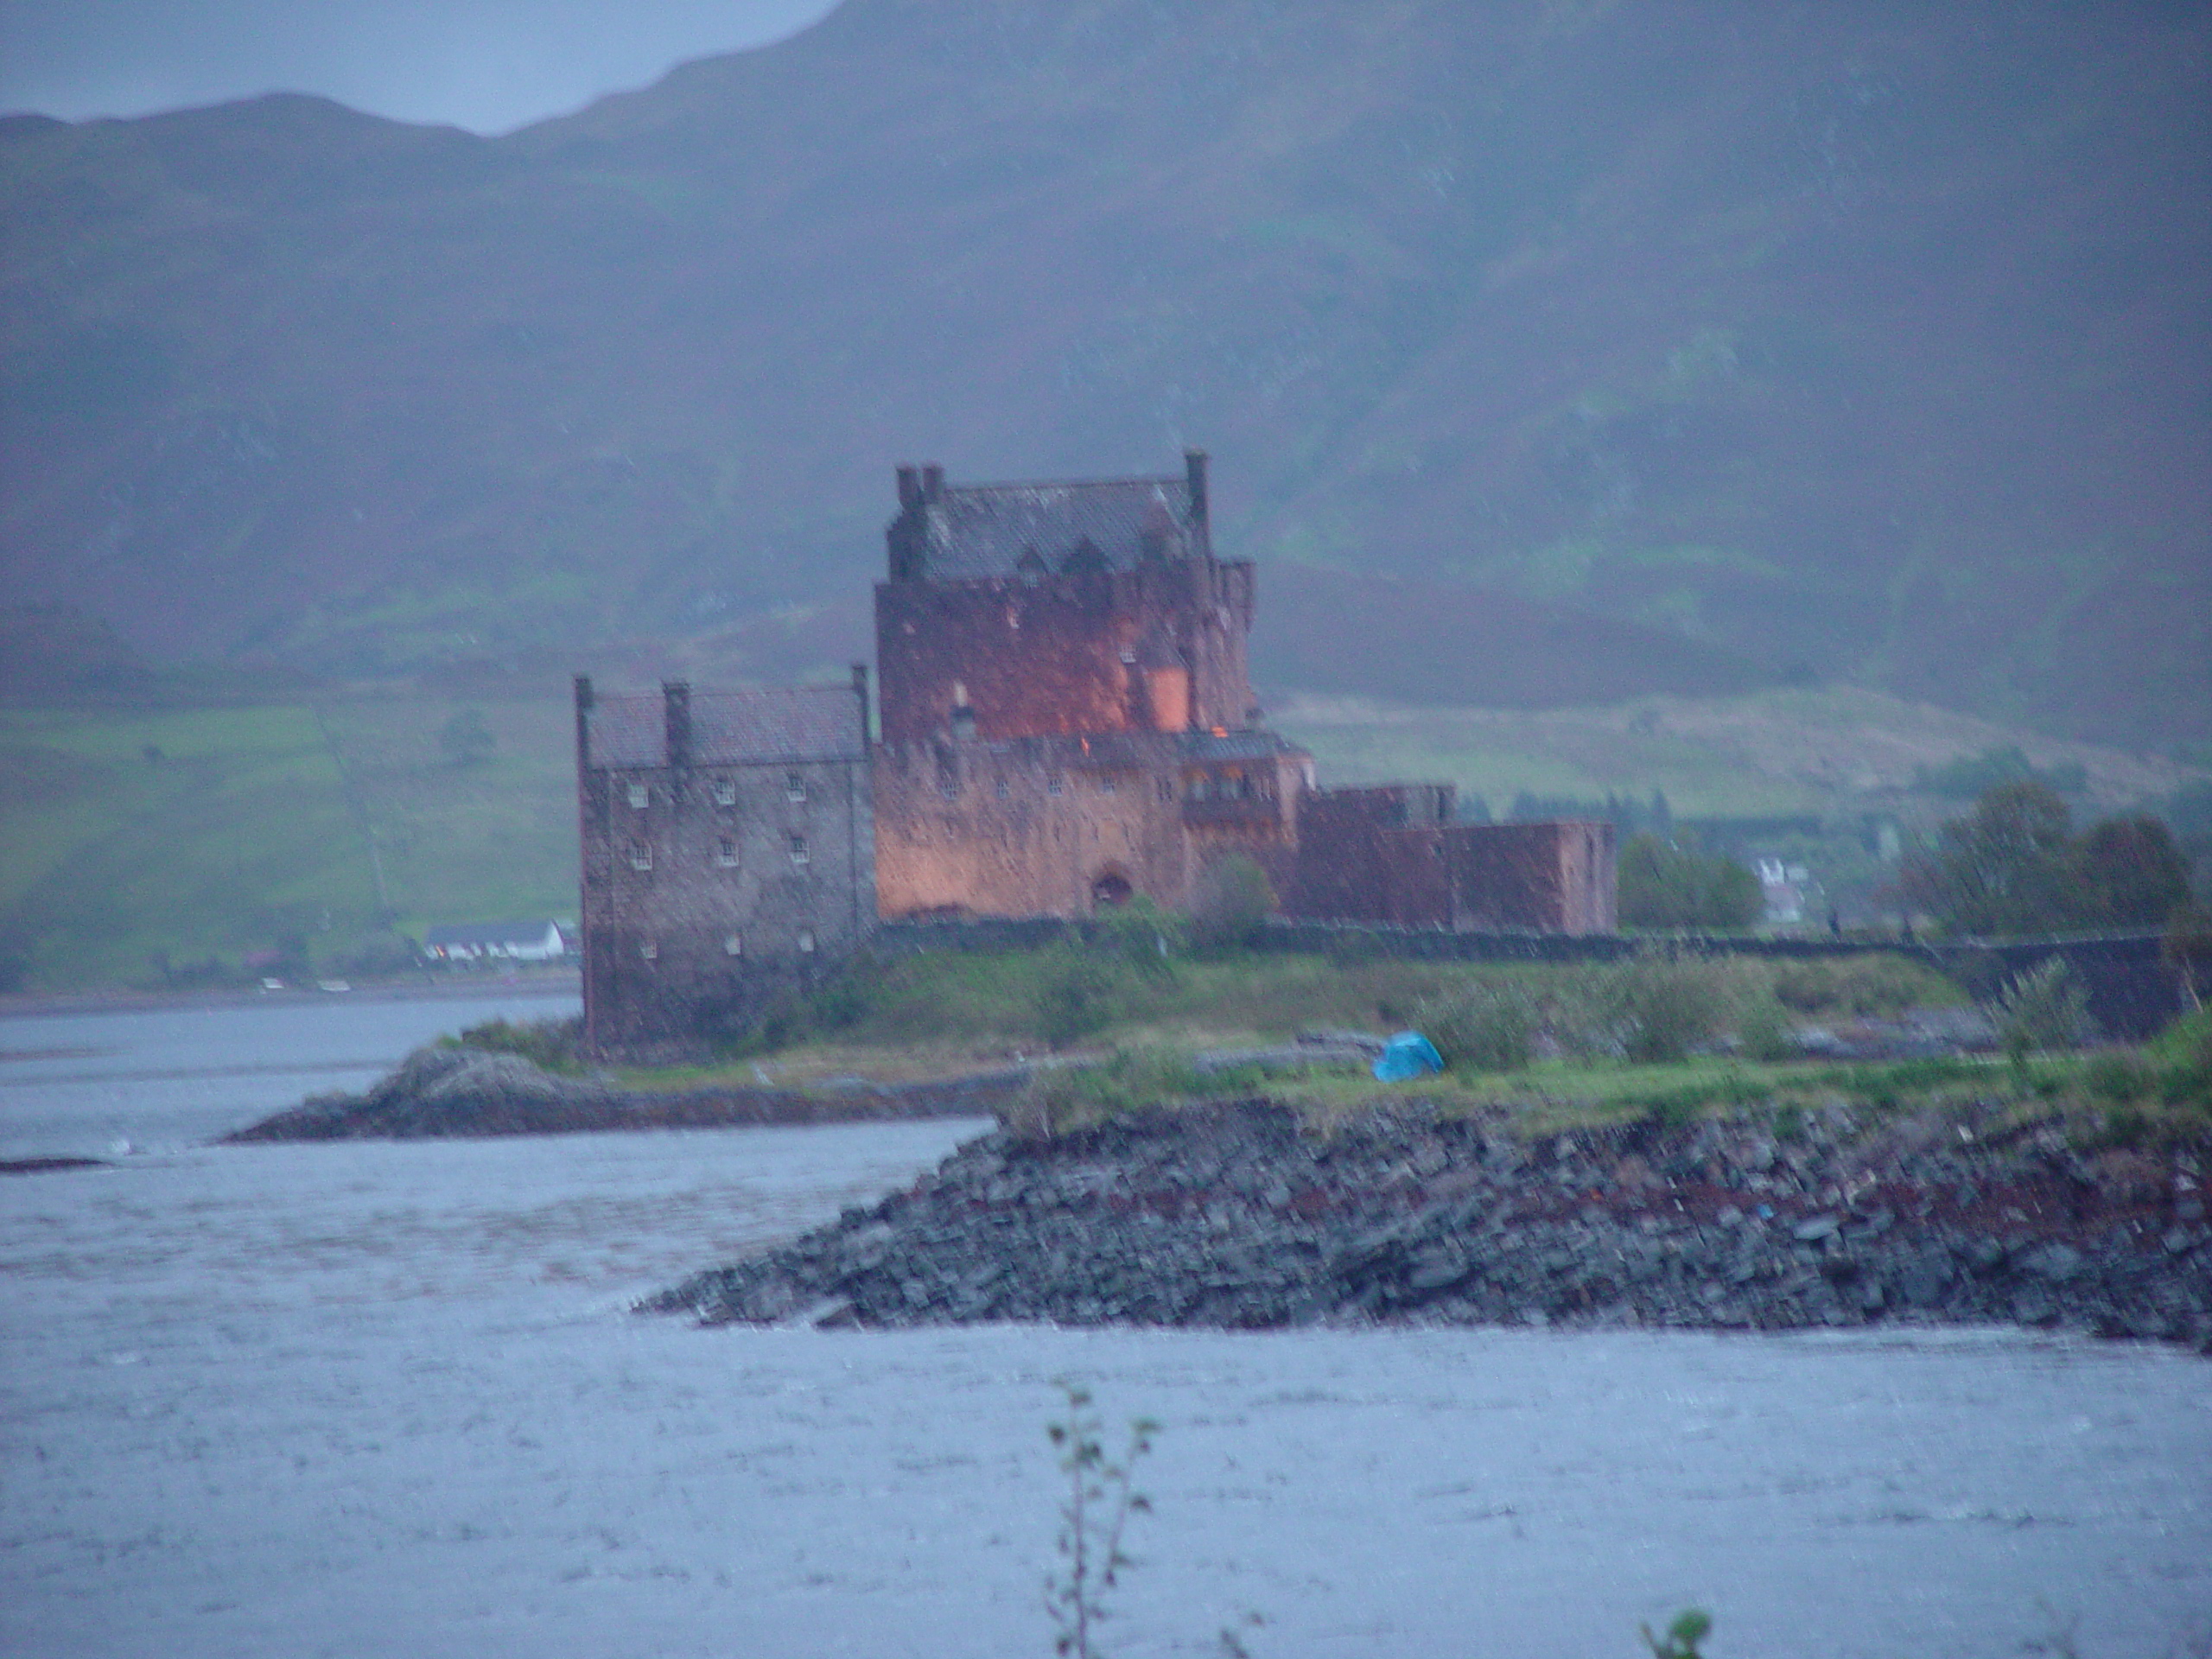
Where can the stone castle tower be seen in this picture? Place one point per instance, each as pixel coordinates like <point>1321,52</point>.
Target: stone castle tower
<point>1067,717</point>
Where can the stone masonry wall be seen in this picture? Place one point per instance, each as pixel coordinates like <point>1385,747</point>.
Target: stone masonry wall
<point>725,887</point>
<point>1023,827</point>
<point>1159,648</point>
<point>1390,857</point>
<point>1557,877</point>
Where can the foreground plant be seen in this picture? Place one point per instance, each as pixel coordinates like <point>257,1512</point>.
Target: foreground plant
<point>1691,1626</point>
<point>1099,1503</point>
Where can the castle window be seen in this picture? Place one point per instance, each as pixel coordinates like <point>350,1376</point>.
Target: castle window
<point>1166,788</point>
<point>794,786</point>
<point>726,853</point>
<point>1003,790</point>
<point>641,855</point>
<point>1128,657</point>
<point>806,939</point>
<point>640,797</point>
<point>1053,786</point>
<point>649,951</point>
<point>725,791</point>
<point>798,849</point>
<point>1105,785</point>
<point>733,945</point>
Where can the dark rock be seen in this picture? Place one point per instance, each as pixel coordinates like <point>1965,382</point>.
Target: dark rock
<point>2057,1262</point>
<point>48,1166</point>
<point>1178,1219</point>
<point>1986,1255</point>
<point>2034,1307</point>
<point>1927,1283</point>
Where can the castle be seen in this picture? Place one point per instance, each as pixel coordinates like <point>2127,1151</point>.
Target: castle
<point>1066,720</point>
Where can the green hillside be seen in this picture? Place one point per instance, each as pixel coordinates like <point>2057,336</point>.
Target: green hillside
<point>136,847</point>
<point>1712,348</point>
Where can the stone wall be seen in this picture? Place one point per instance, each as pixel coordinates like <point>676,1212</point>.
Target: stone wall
<point>1373,855</point>
<point>711,885</point>
<point>1158,648</point>
<point>1557,877</point>
<point>1391,856</point>
<point>1031,826</point>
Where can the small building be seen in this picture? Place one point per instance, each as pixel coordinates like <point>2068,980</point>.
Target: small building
<point>1394,855</point>
<point>729,854</point>
<point>505,941</point>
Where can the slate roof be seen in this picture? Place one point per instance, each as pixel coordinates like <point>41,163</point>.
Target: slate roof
<point>1251,745</point>
<point>731,728</point>
<point>990,530</point>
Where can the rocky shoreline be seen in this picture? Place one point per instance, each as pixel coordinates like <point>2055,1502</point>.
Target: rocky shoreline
<point>1231,1216</point>
<point>449,1091</point>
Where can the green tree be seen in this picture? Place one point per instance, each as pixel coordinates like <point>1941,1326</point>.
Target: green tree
<point>2013,864</point>
<point>1075,995</point>
<point>2134,874</point>
<point>1665,886</point>
<point>2010,866</point>
<point>1231,904</point>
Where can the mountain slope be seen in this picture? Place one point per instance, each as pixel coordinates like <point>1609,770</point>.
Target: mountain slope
<point>1865,341</point>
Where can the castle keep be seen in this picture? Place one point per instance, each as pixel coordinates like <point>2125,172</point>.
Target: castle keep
<point>1066,721</point>
<point>1067,717</point>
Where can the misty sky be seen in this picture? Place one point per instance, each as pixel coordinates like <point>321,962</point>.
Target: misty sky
<point>486,65</point>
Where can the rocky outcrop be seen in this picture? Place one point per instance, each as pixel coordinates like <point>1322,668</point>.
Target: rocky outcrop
<point>1230,1216</point>
<point>455,1090</point>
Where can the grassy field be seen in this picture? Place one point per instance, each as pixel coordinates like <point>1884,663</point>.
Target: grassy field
<point>1804,752</point>
<point>135,847</point>
<point>910,1017</point>
<point>1188,1030</point>
<point>129,840</point>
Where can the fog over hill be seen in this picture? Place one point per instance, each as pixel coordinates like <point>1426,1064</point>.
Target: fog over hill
<point>1723,344</point>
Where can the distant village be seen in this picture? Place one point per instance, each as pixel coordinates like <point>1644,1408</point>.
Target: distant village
<point>1063,720</point>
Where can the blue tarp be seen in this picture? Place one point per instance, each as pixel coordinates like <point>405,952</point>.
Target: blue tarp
<point>1408,1054</point>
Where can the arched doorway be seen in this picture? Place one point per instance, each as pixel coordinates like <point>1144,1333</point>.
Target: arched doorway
<point>1110,890</point>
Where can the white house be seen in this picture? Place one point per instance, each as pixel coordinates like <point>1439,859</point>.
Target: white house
<point>515,941</point>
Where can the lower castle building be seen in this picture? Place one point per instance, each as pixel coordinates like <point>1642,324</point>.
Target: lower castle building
<point>729,854</point>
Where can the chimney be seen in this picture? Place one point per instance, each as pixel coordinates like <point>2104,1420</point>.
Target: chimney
<point>860,690</point>
<point>676,698</point>
<point>909,489</point>
<point>583,723</point>
<point>1194,470</point>
<point>932,482</point>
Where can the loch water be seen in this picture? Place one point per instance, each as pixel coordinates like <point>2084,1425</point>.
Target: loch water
<point>388,1399</point>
